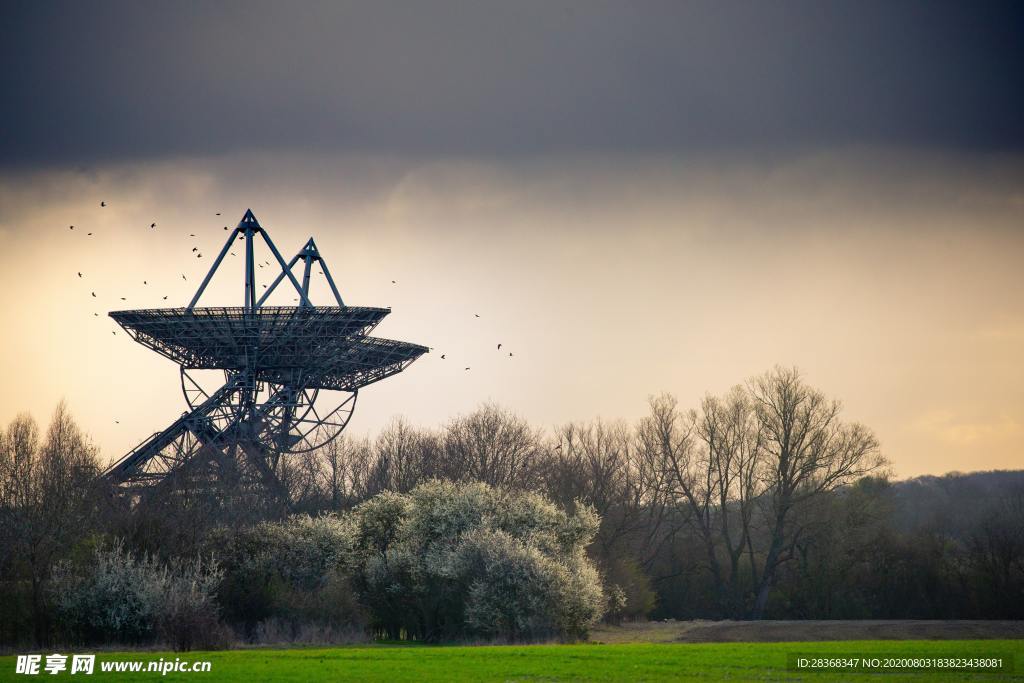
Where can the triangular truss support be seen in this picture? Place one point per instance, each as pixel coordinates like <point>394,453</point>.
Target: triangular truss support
<point>309,255</point>
<point>247,229</point>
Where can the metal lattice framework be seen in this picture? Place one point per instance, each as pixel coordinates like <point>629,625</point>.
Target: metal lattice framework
<point>291,376</point>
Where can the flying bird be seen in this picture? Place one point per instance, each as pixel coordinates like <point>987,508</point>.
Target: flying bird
<point>467,368</point>
<point>499,347</point>
<point>88,233</point>
<point>199,256</point>
<point>152,225</point>
<point>218,213</point>
<point>191,234</point>
<point>476,315</point>
<point>146,283</point>
<point>123,299</point>
<point>182,276</point>
<point>195,248</point>
<point>96,314</point>
<point>94,295</point>
<point>442,356</point>
<point>103,203</point>
<point>509,354</point>
<point>79,273</point>
<point>232,253</point>
<point>71,227</point>
<point>165,299</point>
<point>393,282</point>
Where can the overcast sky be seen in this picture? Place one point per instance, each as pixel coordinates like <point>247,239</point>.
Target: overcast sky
<point>103,81</point>
<point>636,197</point>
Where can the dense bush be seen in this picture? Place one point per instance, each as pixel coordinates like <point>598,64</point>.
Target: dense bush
<point>290,580</point>
<point>444,561</point>
<point>449,561</point>
<point>120,597</point>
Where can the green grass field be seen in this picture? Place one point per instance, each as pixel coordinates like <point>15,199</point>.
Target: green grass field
<point>620,662</point>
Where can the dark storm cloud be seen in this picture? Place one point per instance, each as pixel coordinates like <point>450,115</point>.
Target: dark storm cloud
<point>90,82</point>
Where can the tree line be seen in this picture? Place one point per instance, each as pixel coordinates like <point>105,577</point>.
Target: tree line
<point>759,503</point>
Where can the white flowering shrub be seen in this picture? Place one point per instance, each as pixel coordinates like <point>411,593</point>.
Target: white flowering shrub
<point>288,576</point>
<point>121,597</point>
<point>617,602</point>
<point>445,561</point>
<point>453,561</point>
<point>187,614</point>
<point>303,549</point>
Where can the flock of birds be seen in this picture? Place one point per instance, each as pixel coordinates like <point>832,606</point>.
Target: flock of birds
<point>199,255</point>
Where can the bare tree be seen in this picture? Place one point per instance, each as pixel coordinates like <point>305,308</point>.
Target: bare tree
<point>808,452</point>
<point>404,457</point>
<point>350,470</point>
<point>743,466</point>
<point>730,441</point>
<point>689,475</point>
<point>493,446</point>
<point>46,499</point>
<point>600,465</point>
<point>335,461</point>
<point>360,459</point>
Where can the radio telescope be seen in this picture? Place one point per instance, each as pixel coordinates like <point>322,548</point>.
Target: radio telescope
<point>291,375</point>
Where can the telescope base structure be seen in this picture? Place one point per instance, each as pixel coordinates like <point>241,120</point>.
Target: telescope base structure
<point>228,442</point>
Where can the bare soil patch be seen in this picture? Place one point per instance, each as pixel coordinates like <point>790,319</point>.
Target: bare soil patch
<point>700,631</point>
